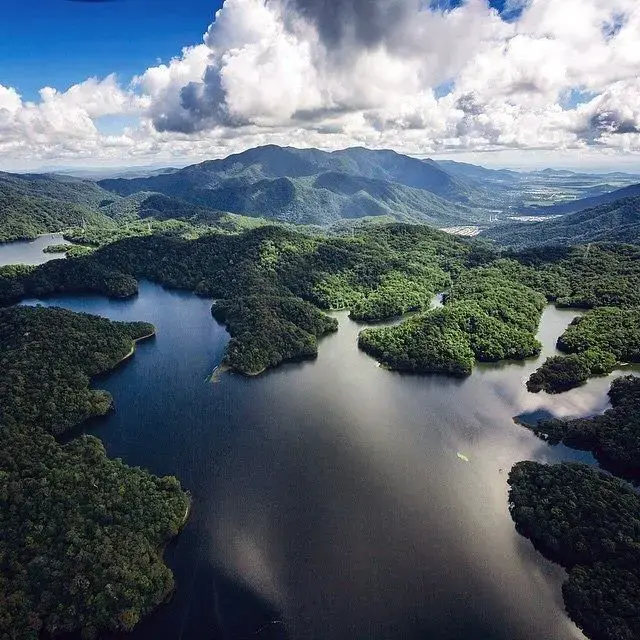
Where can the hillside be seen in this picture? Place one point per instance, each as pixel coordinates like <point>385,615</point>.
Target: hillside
<point>62,188</point>
<point>25,217</point>
<point>272,162</point>
<point>618,221</point>
<point>315,187</point>
<point>581,204</point>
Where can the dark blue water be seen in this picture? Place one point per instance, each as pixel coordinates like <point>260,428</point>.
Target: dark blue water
<point>328,495</point>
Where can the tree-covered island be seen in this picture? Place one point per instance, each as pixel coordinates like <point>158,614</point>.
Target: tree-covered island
<point>272,285</point>
<point>595,344</point>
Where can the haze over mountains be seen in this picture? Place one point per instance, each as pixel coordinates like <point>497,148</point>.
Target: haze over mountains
<point>618,221</point>
<point>313,187</point>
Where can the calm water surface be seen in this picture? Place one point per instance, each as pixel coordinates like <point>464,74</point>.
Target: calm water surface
<point>30,252</point>
<point>328,495</point>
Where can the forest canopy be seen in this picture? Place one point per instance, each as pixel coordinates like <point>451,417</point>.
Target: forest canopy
<point>82,535</point>
<point>589,522</point>
<point>596,343</point>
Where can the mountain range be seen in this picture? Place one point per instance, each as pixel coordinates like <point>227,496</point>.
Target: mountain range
<point>306,186</point>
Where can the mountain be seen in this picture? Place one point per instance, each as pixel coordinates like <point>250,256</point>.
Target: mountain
<point>25,217</point>
<point>617,221</point>
<point>581,204</point>
<point>32,204</point>
<point>272,162</point>
<point>317,187</point>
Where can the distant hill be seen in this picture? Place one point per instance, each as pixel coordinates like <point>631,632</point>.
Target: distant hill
<point>154,205</point>
<point>617,221</point>
<point>26,217</point>
<point>316,187</point>
<point>62,188</point>
<point>32,204</point>
<point>574,206</point>
<point>478,173</point>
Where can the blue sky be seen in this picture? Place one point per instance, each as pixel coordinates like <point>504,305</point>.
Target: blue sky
<point>59,42</point>
<point>553,80</point>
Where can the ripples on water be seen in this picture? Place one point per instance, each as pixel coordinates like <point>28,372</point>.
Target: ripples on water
<point>329,494</point>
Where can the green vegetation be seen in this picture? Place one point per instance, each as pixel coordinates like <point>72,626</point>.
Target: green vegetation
<point>597,342</point>
<point>83,535</point>
<point>618,221</point>
<point>597,275</point>
<point>25,218</point>
<point>381,271</point>
<point>614,437</point>
<point>58,248</point>
<point>589,522</point>
<point>307,186</point>
<point>487,317</point>
<point>34,366</point>
<point>269,330</point>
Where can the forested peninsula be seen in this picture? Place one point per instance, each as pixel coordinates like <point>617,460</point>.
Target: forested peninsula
<point>83,535</point>
<point>271,285</point>
<point>589,522</point>
<point>613,437</point>
<point>595,343</point>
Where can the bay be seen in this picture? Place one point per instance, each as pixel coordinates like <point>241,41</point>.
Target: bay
<point>329,498</point>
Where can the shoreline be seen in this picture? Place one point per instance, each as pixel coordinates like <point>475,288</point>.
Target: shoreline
<point>133,348</point>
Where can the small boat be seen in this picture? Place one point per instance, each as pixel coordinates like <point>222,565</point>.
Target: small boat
<point>462,457</point>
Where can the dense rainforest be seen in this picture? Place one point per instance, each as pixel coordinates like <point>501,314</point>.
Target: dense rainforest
<point>589,522</point>
<point>381,272</point>
<point>596,343</point>
<point>82,535</point>
<point>378,272</point>
<point>487,317</point>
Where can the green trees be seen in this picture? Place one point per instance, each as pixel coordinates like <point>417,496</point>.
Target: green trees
<point>487,317</point>
<point>614,437</point>
<point>589,522</point>
<point>379,273</point>
<point>82,535</point>
<point>596,342</point>
<point>47,358</point>
<point>269,330</point>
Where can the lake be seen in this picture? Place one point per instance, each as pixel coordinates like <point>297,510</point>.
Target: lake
<point>329,500</point>
<point>31,252</point>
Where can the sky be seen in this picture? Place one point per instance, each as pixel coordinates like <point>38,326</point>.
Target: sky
<point>520,83</point>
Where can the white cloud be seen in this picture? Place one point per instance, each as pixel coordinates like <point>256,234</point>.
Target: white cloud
<point>362,72</point>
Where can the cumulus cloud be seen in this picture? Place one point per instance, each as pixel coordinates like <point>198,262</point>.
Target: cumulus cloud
<point>420,76</point>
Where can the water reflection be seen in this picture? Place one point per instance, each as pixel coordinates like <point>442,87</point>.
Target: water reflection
<point>329,494</point>
<point>30,252</point>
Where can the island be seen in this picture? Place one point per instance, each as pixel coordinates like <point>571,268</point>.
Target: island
<point>492,307</point>
<point>613,437</point>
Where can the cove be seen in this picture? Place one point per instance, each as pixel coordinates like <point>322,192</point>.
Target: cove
<point>31,252</point>
<point>329,494</point>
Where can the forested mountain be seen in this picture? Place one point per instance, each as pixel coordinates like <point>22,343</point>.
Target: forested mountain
<point>63,188</point>
<point>315,187</point>
<point>272,162</point>
<point>618,221</point>
<point>24,217</point>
